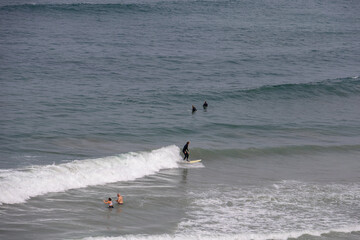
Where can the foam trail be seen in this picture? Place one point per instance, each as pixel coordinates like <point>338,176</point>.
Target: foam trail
<point>17,186</point>
<point>244,236</point>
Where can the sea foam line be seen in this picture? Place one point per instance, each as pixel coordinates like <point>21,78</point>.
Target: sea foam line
<point>242,236</point>
<point>19,185</point>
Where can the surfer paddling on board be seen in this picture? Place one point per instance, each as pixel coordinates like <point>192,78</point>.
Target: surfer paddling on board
<point>186,151</point>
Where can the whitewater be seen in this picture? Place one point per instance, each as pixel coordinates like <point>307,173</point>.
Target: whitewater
<point>38,180</point>
<point>280,236</point>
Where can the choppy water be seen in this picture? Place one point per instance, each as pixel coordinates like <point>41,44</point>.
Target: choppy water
<point>96,99</point>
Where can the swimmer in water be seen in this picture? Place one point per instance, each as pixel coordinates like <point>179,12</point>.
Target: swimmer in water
<point>205,105</point>
<point>193,109</point>
<point>119,200</point>
<point>109,202</point>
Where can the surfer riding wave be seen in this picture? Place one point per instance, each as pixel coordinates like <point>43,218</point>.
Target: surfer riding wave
<point>186,151</point>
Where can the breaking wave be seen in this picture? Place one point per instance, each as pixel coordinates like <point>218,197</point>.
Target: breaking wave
<point>19,185</point>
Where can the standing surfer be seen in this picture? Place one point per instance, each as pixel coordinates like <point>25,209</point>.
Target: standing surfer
<point>186,151</point>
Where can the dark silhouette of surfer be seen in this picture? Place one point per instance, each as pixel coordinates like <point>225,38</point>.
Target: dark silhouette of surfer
<point>205,105</point>
<point>193,109</point>
<point>186,151</point>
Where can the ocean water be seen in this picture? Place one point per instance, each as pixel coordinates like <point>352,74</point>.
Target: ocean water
<point>96,96</point>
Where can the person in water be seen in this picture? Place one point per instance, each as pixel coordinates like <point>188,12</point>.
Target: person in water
<point>193,109</point>
<point>109,202</point>
<point>205,105</point>
<point>119,200</point>
<point>186,151</point>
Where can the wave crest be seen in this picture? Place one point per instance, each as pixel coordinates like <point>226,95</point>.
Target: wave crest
<point>342,87</point>
<point>84,7</point>
<point>292,150</point>
<point>19,185</point>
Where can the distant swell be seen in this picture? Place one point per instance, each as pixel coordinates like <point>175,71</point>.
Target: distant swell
<point>84,7</point>
<point>18,185</point>
<point>342,87</point>
<point>275,151</point>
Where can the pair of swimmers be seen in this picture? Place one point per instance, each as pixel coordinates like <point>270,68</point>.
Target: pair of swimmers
<point>119,201</point>
<point>205,105</point>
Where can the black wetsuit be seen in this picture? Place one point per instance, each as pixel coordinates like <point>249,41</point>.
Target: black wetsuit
<point>186,151</point>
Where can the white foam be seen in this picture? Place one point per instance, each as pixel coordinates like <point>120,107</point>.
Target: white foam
<point>17,186</point>
<point>287,206</point>
<point>244,236</point>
